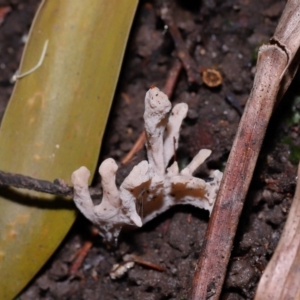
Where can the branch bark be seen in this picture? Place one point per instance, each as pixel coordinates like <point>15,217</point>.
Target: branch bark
<point>58,187</point>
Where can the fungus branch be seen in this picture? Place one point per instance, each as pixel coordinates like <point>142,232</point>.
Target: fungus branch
<point>150,183</point>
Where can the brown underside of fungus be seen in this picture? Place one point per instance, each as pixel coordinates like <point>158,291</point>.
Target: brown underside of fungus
<point>150,184</point>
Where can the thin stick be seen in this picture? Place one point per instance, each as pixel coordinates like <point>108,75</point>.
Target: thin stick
<point>148,264</point>
<point>4,10</point>
<point>172,79</point>
<point>82,253</point>
<point>58,187</point>
<point>80,257</point>
<point>138,145</point>
<point>139,260</point>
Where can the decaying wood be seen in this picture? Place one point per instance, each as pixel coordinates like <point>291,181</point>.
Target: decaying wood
<point>275,70</point>
<point>280,280</point>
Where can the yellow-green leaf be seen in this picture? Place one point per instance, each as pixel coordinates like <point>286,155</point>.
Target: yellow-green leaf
<point>54,123</point>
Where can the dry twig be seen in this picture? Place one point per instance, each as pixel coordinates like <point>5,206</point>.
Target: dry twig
<point>82,253</point>
<point>139,260</point>
<point>58,187</point>
<point>276,67</point>
<point>80,257</point>
<point>138,145</point>
<point>172,78</point>
<point>3,12</point>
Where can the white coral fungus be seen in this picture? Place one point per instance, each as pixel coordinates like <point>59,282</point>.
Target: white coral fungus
<point>151,186</point>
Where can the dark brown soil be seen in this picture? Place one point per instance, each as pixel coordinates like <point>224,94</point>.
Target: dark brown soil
<point>226,36</point>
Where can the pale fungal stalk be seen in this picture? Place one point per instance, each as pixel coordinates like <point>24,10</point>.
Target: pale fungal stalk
<point>150,185</point>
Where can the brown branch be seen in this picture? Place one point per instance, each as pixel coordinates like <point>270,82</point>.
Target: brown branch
<point>58,187</point>
<point>274,71</point>
<point>82,253</point>
<point>172,78</point>
<point>139,260</point>
<point>138,145</point>
<point>80,257</point>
